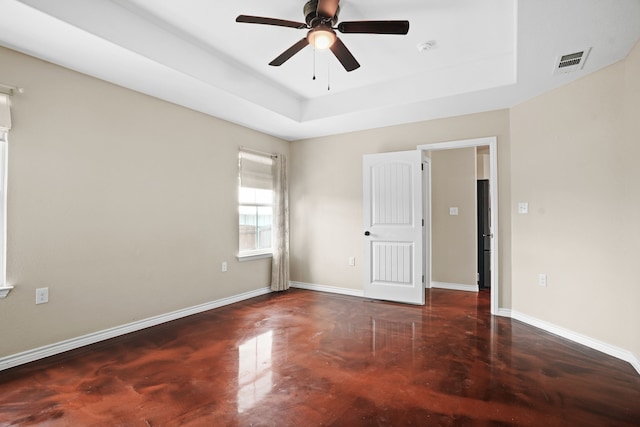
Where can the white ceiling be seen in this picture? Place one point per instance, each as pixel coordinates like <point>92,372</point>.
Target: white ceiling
<point>488,55</point>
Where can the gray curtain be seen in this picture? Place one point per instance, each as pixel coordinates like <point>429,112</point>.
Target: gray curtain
<point>280,260</point>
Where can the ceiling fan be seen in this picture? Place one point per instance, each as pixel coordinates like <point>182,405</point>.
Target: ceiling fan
<point>321,17</point>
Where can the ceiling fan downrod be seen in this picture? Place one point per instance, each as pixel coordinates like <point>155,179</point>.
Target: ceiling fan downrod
<point>312,18</point>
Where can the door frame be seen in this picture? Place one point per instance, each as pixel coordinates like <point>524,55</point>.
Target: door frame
<point>492,142</point>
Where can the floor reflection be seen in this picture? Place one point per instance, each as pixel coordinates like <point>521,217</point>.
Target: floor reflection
<point>393,335</point>
<point>254,370</point>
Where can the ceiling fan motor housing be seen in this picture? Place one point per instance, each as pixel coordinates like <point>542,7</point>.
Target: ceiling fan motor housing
<point>311,15</point>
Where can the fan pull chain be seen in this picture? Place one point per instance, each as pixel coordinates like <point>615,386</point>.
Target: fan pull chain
<point>328,75</point>
<point>314,60</point>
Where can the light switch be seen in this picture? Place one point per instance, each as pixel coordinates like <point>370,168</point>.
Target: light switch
<point>523,208</point>
<point>453,211</point>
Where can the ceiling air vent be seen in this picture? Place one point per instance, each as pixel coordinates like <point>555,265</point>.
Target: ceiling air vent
<point>571,62</point>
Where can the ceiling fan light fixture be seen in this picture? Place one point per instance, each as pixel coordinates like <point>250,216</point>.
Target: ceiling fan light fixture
<point>321,37</point>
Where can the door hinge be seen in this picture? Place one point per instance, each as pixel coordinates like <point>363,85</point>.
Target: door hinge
<point>423,222</point>
<point>422,165</point>
<point>423,278</point>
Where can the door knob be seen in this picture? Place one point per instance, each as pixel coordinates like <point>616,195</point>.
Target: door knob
<point>366,233</point>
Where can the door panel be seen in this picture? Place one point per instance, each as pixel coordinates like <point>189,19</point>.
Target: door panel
<point>392,204</point>
<point>392,262</point>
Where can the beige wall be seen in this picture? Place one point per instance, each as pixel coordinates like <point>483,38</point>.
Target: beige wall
<point>631,150</point>
<point>482,160</point>
<point>574,159</point>
<point>453,237</point>
<point>326,194</point>
<point>123,205</point>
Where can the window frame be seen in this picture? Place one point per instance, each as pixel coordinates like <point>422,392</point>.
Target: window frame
<point>249,255</point>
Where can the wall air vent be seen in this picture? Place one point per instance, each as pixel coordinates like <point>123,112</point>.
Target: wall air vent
<point>571,62</point>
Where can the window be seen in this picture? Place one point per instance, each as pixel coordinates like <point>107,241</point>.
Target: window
<point>255,205</point>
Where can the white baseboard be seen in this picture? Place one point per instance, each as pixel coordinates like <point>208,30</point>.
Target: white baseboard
<point>455,286</point>
<point>635,362</point>
<point>329,289</point>
<point>73,343</point>
<point>619,353</point>
<point>595,344</point>
<point>504,312</point>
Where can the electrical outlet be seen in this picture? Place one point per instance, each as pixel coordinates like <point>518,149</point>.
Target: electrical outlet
<point>224,266</point>
<point>352,261</point>
<point>542,280</point>
<point>42,295</point>
<point>453,211</point>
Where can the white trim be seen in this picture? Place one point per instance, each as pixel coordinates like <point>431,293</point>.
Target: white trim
<point>595,344</point>
<point>504,312</point>
<point>4,167</point>
<point>494,225</point>
<point>73,343</point>
<point>329,289</point>
<point>244,258</point>
<point>616,352</point>
<point>464,143</point>
<point>4,291</point>
<point>635,362</point>
<point>492,142</point>
<point>427,229</point>
<point>455,286</point>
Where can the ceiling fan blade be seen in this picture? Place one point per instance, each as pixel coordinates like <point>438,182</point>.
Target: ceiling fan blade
<point>374,27</point>
<point>270,21</point>
<point>287,54</point>
<point>327,8</point>
<point>344,56</point>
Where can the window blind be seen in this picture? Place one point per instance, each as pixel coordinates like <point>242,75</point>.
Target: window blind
<point>255,171</point>
<point>5,113</point>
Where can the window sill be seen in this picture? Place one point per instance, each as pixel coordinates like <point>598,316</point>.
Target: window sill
<point>4,291</point>
<point>252,257</point>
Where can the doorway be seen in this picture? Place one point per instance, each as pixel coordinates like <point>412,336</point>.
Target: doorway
<point>491,143</point>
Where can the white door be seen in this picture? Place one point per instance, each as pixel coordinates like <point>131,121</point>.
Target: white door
<point>393,226</point>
